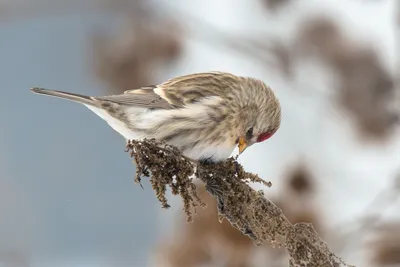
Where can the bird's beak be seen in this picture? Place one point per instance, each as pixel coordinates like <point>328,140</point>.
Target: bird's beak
<point>242,144</point>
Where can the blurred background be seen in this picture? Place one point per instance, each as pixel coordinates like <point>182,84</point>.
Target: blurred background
<point>67,196</point>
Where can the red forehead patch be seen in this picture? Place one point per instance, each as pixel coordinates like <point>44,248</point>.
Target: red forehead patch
<point>264,136</point>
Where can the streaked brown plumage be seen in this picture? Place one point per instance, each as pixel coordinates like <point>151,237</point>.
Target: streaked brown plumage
<point>205,115</point>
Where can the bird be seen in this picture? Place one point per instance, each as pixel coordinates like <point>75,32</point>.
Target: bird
<point>206,115</point>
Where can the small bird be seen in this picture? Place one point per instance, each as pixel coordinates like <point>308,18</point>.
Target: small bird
<point>205,115</point>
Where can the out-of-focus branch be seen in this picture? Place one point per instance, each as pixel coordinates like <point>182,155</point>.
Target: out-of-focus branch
<point>146,44</point>
<point>246,209</point>
<point>371,217</point>
<point>397,23</point>
<point>275,5</point>
<point>397,74</point>
<point>384,248</point>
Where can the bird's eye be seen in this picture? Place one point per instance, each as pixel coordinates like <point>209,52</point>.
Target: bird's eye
<point>249,133</point>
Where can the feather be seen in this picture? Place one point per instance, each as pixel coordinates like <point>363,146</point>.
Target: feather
<point>87,100</point>
<point>147,100</point>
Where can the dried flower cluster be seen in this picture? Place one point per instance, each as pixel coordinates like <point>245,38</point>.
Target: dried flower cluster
<point>247,210</point>
<point>166,167</point>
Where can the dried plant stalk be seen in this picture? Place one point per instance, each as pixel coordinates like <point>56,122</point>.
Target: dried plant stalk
<point>246,209</point>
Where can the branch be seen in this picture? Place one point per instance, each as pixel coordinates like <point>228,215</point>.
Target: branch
<point>246,209</point>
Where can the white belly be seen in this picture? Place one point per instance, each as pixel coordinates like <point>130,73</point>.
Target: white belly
<point>216,153</point>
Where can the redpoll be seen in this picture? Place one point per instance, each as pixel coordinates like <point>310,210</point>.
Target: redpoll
<point>205,115</point>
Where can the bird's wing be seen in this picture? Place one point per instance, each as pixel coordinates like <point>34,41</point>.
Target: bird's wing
<point>142,97</point>
<point>193,88</point>
<point>176,92</point>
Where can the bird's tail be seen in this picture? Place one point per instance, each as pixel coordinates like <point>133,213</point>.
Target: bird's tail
<point>86,100</point>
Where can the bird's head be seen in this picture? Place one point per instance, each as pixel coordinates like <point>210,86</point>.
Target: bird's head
<point>260,117</point>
